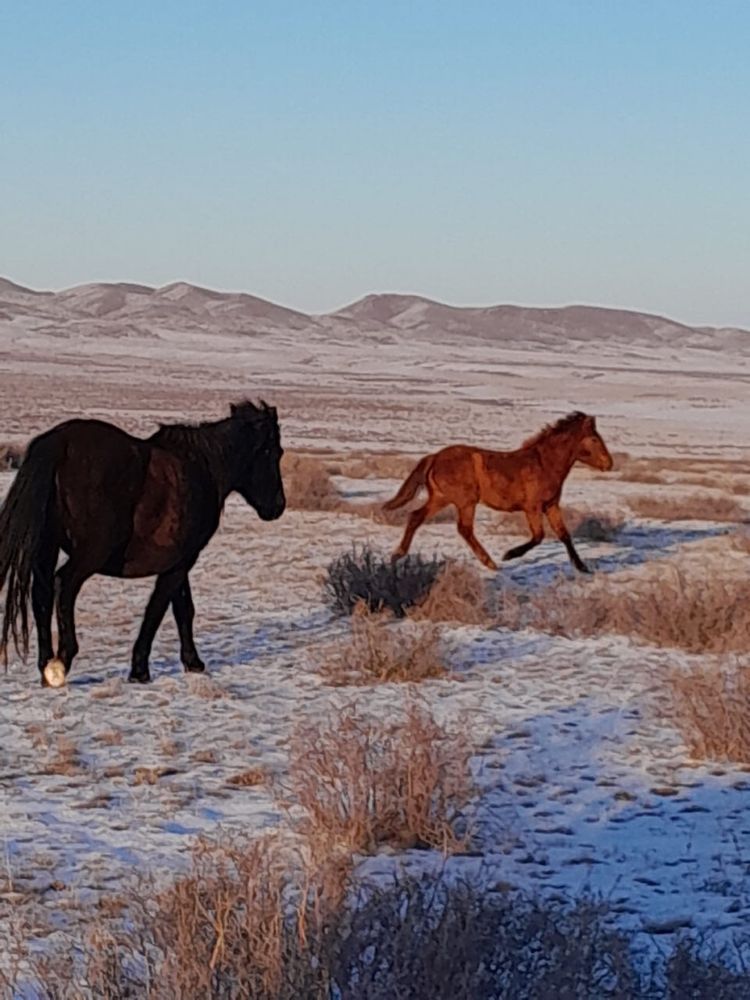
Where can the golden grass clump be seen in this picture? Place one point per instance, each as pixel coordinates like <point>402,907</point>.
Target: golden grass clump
<point>251,777</point>
<point>459,595</point>
<point>380,651</point>
<point>711,708</point>
<point>700,614</point>
<point>698,507</point>
<point>364,782</point>
<point>308,484</point>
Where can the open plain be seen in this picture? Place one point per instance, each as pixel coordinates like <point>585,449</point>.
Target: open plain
<point>590,778</point>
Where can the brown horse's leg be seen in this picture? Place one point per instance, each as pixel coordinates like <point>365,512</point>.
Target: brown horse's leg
<point>555,518</point>
<point>166,586</point>
<point>184,613</point>
<point>536,527</point>
<point>466,531</point>
<point>435,502</point>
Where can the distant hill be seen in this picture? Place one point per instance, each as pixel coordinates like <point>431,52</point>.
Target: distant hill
<point>121,308</point>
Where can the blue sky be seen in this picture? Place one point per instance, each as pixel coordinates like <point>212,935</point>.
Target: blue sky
<point>312,152</point>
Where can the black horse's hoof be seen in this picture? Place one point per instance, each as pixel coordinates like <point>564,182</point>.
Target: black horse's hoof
<point>144,678</point>
<point>196,667</point>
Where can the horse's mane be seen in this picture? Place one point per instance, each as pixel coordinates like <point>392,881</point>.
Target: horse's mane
<point>207,443</point>
<point>569,422</point>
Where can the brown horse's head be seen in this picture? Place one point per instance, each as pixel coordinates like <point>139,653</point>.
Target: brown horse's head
<point>591,449</point>
<point>256,432</point>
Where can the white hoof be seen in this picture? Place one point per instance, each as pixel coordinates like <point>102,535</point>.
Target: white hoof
<point>54,673</point>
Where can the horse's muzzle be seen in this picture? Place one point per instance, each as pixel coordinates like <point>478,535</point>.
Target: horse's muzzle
<point>273,511</point>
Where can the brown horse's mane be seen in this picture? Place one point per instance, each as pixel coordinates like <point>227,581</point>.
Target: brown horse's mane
<point>567,423</point>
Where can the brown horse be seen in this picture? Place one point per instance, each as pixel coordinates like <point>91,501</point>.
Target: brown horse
<point>529,479</point>
<point>126,507</point>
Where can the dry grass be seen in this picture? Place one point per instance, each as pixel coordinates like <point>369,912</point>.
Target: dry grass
<point>459,595</point>
<point>698,507</point>
<point>204,686</point>
<point>363,783</point>
<point>711,708</point>
<point>740,540</point>
<point>308,484</point>
<point>696,613</point>
<point>11,456</point>
<point>252,921</point>
<point>64,758</point>
<point>381,651</point>
<point>251,777</point>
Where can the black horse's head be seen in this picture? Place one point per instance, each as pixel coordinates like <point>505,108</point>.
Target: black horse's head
<point>258,458</point>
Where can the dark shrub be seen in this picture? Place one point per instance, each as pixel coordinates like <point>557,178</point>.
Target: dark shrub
<point>382,585</point>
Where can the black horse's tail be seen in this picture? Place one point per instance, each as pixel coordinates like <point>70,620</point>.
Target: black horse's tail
<point>22,521</point>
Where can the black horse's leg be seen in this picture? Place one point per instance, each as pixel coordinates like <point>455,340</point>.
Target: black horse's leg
<point>555,518</point>
<point>166,586</point>
<point>43,599</point>
<point>70,579</point>
<point>184,613</point>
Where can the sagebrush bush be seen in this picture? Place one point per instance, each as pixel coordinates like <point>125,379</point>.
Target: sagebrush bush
<point>589,527</point>
<point>382,585</point>
<point>363,782</point>
<point>383,651</point>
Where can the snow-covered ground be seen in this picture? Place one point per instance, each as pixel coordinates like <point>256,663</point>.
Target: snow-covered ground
<point>585,785</point>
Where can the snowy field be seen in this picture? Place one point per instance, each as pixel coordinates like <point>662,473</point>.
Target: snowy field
<point>586,787</point>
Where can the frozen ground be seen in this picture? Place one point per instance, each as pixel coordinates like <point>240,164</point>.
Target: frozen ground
<point>584,786</point>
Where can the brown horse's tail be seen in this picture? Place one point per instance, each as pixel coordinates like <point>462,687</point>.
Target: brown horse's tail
<point>416,478</point>
<point>22,521</point>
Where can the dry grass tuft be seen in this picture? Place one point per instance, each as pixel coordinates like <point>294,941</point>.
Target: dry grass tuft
<point>740,539</point>
<point>365,782</point>
<point>254,920</point>
<point>204,686</point>
<point>698,507</point>
<point>249,912</point>
<point>65,759</point>
<point>695,613</point>
<point>249,778</point>
<point>11,456</point>
<point>711,708</point>
<point>460,595</point>
<point>308,484</point>
<point>381,651</point>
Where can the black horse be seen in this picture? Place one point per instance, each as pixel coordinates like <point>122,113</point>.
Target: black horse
<point>126,507</point>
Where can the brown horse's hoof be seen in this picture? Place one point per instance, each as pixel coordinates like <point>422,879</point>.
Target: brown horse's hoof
<point>491,565</point>
<point>144,678</point>
<point>197,667</point>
